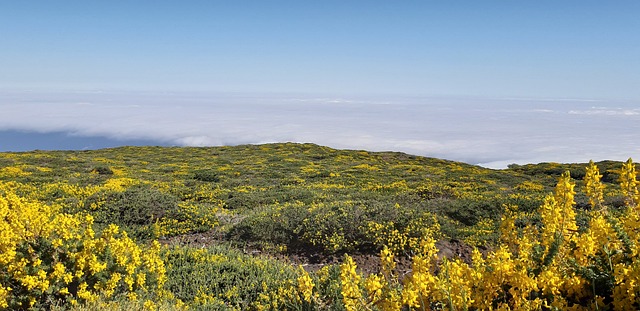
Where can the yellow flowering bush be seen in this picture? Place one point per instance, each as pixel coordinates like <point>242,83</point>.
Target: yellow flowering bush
<point>305,285</point>
<point>13,171</point>
<point>593,186</point>
<point>351,288</point>
<point>403,237</point>
<point>629,184</point>
<point>51,257</point>
<point>222,278</point>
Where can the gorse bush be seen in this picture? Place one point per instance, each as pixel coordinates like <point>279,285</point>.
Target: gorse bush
<point>220,278</point>
<point>102,170</point>
<point>48,257</point>
<point>136,206</point>
<point>206,175</point>
<point>134,209</point>
<point>336,227</point>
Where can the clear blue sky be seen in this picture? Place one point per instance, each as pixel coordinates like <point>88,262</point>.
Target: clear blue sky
<point>567,49</point>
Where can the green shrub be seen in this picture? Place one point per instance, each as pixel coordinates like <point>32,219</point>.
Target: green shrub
<point>134,209</point>
<point>102,170</point>
<point>273,224</point>
<point>207,175</point>
<point>469,212</point>
<point>218,277</point>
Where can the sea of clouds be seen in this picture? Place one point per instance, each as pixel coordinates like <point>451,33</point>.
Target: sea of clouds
<point>491,132</point>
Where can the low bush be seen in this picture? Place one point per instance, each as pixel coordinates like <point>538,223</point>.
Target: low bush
<point>48,258</point>
<point>135,209</point>
<point>220,278</point>
<point>207,175</point>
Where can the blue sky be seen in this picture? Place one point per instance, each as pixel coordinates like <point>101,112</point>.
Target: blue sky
<point>567,49</point>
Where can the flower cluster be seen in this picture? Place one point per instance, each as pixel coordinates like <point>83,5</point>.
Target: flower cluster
<point>406,237</point>
<point>47,256</point>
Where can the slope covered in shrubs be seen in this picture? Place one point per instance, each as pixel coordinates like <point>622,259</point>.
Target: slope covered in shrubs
<point>278,199</point>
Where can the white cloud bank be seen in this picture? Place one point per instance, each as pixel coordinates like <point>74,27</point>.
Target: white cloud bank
<point>489,132</point>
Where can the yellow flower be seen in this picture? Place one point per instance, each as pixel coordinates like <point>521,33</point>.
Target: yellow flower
<point>350,280</point>
<point>628,182</point>
<point>374,284</point>
<point>305,285</point>
<point>388,264</point>
<point>84,293</point>
<point>149,305</point>
<point>593,186</point>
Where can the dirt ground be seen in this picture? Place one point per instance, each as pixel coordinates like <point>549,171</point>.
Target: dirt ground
<point>310,261</point>
<point>370,263</point>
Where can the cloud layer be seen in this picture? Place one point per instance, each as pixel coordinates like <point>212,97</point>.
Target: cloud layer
<point>489,132</point>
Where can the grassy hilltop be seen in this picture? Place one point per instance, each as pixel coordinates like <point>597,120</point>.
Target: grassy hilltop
<point>226,214</point>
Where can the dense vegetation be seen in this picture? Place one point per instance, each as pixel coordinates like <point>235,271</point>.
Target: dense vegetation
<point>80,229</point>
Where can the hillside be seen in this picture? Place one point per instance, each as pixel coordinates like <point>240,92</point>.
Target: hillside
<point>248,185</point>
<point>299,201</point>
